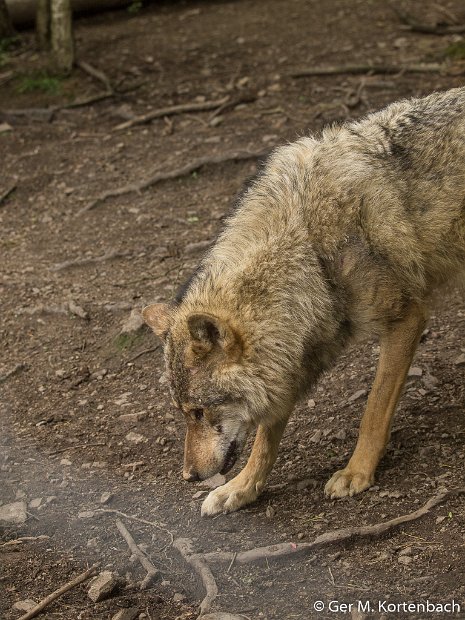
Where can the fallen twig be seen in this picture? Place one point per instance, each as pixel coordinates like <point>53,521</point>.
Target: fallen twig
<point>13,371</point>
<point>432,67</point>
<point>412,24</point>
<point>198,563</point>
<point>52,597</point>
<point>137,355</point>
<point>76,447</point>
<point>152,572</point>
<point>328,538</point>
<point>173,174</point>
<point>159,526</point>
<point>171,111</point>
<point>95,73</point>
<point>23,539</point>
<point>7,193</point>
<point>87,260</point>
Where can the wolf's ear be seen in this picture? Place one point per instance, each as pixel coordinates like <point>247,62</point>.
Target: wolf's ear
<point>158,317</point>
<point>208,331</point>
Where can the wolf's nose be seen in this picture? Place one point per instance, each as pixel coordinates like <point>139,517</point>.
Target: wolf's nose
<point>191,475</point>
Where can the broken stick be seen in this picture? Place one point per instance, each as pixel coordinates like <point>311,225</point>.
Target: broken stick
<point>90,572</point>
<point>175,173</point>
<point>198,563</point>
<point>432,67</point>
<point>171,111</point>
<point>328,538</point>
<point>152,572</point>
<point>87,260</point>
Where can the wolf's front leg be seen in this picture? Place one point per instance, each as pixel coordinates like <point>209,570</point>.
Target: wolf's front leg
<point>248,484</point>
<point>397,348</point>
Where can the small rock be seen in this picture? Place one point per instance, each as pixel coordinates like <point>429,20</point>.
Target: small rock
<point>105,497</point>
<point>135,437</point>
<point>316,437</point>
<point>404,559</point>
<point>340,435</point>
<point>406,551</point>
<point>215,481</point>
<point>300,485</point>
<point>199,494</point>
<point>415,371</point>
<point>5,127</point>
<point>65,462</point>
<point>126,614</point>
<point>178,597</point>
<point>77,310</point>
<point>311,403</point>
<point>440,519</point>
<point>270,512</point>
<point>25,605</point>
<point>86,514</point>
<point>102,586</point>
<point>460,361</point>
<point>13,513</point>
<point>35,503</point>
<point>133,323</point>
<point>358,394</point>
<point>300,535</point>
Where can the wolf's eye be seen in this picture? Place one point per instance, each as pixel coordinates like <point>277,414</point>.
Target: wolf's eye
<point>198,413</point>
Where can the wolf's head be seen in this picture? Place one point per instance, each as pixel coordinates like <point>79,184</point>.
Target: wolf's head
<point>211,383</point>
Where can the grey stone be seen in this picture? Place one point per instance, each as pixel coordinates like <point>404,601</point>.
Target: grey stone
<point>102,586</point>
<point>13,513</point>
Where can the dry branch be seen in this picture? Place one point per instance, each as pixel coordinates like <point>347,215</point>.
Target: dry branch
<point>198,563</point>
<point>328,538</point>
<point>87,260</point>
<point>171,111</point>
<point>152,572</point>
<point>52,597</point>
<point>96,74</point>
<point>432,67</point>
<point>7,193</point>
<point>175,173</point>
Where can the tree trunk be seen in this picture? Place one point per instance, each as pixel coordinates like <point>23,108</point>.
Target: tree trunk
<point>62,35</point>
<point>6,27</point>
<point>43,24</point>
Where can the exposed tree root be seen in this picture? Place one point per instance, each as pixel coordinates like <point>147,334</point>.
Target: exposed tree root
<point>152,572</point>
<point>433,67</point>
<point>52,597</point>
<point>198,563</point>
<point>328,538</point>
<point>173,174</point>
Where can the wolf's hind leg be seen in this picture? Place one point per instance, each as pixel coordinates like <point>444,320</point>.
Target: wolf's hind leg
<point>397,348</point>
<point>248,484</point>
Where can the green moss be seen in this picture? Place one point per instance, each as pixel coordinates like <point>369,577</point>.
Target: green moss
<point>455,50</point>
<point>40,83</point>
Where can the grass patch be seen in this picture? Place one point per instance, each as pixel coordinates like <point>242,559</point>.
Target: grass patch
<point>455,50</point>
<point>123,342</point>
<point>40,83</point>
<point>134,7</point>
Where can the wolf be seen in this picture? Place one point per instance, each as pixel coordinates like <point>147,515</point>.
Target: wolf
<point>339,237</point>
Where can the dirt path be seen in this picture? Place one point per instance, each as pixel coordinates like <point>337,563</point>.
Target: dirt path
<point>63,440</point>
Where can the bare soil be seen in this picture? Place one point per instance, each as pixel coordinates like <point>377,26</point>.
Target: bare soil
<point>62,439</point>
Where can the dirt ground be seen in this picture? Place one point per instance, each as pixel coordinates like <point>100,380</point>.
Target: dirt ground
<point>66,451</point>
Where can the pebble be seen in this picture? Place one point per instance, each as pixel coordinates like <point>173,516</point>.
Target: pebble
<point>105,497</point>
<point>35,503</point>
<point>135,437</point>
<point>415,371</point>
<point>25,605</point>
<point>75,309</point>
<point>440,519</point>
<point>133,323</point>
<point>311,403</point>
<point>102,586</point>
<point>270,512</point>
<point>13,513</point>
<point>126,614</point>
<point>316,437</point>
<point>178,597</point>
<point>406,551</point>
<point>340,435</point>
<point>358,394</point>
<point>460,361</point>
<point>404,559</point>
<point>86,514</point>
<point>215,481</point>
<point>199,494</point>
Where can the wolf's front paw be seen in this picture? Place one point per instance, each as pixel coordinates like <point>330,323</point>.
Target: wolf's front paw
<point>227,498</point>
<point>346,482</point>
